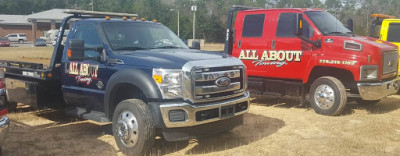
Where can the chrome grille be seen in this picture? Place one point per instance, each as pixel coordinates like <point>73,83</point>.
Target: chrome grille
<point>205,82</point>
<point>390,60</point>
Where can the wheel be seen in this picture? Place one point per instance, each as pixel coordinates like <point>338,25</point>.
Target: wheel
<point>367,102</point>
<point>328,96</point>
<point>20,41</point>
<point>133,127</point>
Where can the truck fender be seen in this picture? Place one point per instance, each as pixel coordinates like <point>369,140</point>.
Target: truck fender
<point>309,67</point>
<point>135,77</point>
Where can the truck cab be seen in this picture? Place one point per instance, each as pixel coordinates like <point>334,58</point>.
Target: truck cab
<point>138,75</point>
<point>389,29</point>
<point>299,51</point>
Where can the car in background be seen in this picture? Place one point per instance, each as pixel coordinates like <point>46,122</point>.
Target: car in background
<point>17,37</point>
<point>4,120</point>
<point>4,42</point>
<point>39,42</point>
<point>54,41</point>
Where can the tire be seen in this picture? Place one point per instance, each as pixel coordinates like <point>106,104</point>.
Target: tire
<point>328,96</point>
<point>367,102</point>
<point>20,41</point>
<point>133,127</point>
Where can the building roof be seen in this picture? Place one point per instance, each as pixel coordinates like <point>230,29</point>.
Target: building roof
<point>14,20</point>
<point>46,16</point>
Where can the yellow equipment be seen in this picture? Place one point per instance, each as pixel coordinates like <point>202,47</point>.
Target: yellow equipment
<point>389,31</point>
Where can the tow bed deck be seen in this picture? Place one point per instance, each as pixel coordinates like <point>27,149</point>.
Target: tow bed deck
<point>30,83</point>
<point>25,69</point>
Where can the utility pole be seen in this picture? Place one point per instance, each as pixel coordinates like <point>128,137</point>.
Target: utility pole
<point>178,18</point>
<point>194,9</point>
<point>178,23</point>
<point>92,5</point>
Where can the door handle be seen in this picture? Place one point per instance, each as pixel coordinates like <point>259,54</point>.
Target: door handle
<point>273,44</point>
<point>239,44</point>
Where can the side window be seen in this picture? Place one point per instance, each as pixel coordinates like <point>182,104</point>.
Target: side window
<point>253,25</point>
<point>287,26</point>
<point>88,33</point>
<point>393,32</point>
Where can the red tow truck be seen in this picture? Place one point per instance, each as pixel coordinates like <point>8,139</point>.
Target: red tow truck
<point>299,51</point>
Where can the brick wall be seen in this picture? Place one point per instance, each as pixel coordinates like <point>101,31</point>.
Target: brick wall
<point>26,29</point>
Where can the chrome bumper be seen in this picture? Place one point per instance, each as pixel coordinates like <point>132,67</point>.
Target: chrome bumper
<point>376,91</point>
<point>192,109</point>
<point>4,127</point>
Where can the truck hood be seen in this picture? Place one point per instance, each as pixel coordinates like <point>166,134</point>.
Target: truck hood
<point>166,58</point>
<point>383,45</point>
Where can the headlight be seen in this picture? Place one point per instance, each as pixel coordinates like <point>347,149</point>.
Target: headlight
<point>369,72</point>
<point>169,81</point>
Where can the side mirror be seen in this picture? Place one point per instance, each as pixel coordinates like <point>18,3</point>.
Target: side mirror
<point>195,45</point>
<point>299,24</point>
<point>76,49</point>
<point>350,24</point>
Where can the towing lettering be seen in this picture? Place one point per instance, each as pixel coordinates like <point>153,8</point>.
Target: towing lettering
<point>271,57</point>
<point>84,72</point>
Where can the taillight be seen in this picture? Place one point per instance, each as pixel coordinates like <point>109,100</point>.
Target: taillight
<point>1,83</point>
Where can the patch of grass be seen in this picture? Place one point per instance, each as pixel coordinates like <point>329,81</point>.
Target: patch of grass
<point>27,54</point>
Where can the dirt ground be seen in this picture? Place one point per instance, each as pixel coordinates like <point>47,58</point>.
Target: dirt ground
<point>273,126</point>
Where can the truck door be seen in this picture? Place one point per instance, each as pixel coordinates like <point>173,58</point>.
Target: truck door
<point>290,49</point>
<point>252,37</point>
<point>83,82</point>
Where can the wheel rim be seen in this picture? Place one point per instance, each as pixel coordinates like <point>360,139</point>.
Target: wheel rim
<point>127,129</point>
<point>324,97</point>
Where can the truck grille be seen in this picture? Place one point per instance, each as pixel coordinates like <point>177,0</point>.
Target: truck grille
<point>390,60</point>
<point>217,82</point>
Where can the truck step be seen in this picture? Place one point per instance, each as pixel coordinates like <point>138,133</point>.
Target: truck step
<point>87,114</point>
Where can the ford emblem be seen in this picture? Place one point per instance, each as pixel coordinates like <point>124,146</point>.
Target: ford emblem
<point>223,81</point>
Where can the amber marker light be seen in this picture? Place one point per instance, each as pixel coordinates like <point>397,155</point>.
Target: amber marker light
<point>69,52</point>
<point>108,17</point>
<point>134,18</point>
<point>124,18</point>
<point>50,75</point>
<point>143,19</point>
<point>154,20</point>
<point>301,23</point>
<point>157,78</point>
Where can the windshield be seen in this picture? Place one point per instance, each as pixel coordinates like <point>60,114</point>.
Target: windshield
<point>140,36</point>
<point>327,23</point>
<point>393,34</point>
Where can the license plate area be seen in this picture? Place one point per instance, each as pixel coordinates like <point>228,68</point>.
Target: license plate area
<point>227,111</point>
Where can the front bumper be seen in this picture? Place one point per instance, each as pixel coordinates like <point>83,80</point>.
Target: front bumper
<point>379,90</point>
<point>4,127</point>
<point>214,111</point>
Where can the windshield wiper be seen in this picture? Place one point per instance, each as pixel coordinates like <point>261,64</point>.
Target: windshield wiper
<point>131,48</point>
<point>167,47</point>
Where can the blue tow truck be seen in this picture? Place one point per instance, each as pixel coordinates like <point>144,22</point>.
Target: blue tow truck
<point>136,74</point>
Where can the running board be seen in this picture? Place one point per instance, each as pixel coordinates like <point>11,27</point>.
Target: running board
<point>87,114</point>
